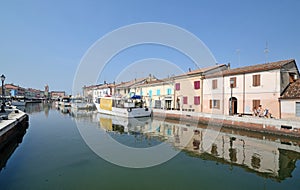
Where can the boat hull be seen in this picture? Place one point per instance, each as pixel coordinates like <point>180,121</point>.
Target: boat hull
<point>125,112</point>
<point>17,103</point>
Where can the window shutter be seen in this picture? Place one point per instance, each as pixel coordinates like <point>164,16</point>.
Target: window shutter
<point>234,82</point>
<point>214,84</point>
<point>256,80</point>
<point>196,84</point>
<point>255,103</point>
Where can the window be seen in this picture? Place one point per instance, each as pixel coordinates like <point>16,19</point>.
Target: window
<point>255,103</point>
<point>169,91</point>
<point>158,92</point>
<point>297,109</point>
<point>177,86</point>
<point>214,104</point>
<point>214,84</point>
<point>150,93</point>
<point>197,100</point>
<point>256,80</point>
<point>232,85</point>
<point>185,100</point>
<point>196,84</point>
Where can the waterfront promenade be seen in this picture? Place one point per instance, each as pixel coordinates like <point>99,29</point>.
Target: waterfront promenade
<point>252,123</point>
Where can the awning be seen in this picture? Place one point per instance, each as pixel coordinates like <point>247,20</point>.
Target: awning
<point>136,97</point>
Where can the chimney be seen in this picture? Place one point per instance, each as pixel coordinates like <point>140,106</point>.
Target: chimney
<point>228,65</point>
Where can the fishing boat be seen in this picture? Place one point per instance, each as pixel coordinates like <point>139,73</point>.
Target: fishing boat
<point>124,107</point>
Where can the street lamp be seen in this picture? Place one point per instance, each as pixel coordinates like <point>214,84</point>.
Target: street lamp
<point>230,106</point>
<point>3,94</point>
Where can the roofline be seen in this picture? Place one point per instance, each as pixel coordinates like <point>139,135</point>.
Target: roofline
<point>200,71</point>
<point>236,71</point>
<point>289,98</point>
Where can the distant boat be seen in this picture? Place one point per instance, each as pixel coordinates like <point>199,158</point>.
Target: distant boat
<point>18,103</point>
<point>124,107</point>
<point>65,102</point>
<point>80,104</point>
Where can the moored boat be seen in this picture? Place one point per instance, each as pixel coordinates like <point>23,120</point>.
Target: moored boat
<point>65,102</point>
<point>80,104</point>
<point>18,103</point>
<point>124,107</point>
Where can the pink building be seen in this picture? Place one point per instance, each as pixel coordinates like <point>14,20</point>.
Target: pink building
<point>57,94</point>
<point>188,89</point>
<point>251,86</point>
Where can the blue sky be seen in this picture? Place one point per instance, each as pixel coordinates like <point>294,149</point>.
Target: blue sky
<point>43,42</point>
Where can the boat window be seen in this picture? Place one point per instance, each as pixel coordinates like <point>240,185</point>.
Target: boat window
<point>98,100</point>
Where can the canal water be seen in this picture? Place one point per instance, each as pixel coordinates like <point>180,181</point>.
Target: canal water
<point>54,153</point>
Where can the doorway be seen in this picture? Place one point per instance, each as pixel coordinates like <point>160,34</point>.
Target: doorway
<point>168,104</point>
<point>233,106</point>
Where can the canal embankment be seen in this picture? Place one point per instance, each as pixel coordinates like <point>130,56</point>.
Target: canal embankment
<point>252,123</point>
<point>12,123</point>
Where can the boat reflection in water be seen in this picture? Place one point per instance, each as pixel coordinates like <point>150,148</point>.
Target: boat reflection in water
<point>266,155</point>
<point>9,145</point>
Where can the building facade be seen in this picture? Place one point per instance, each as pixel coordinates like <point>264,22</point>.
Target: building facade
<point>14,91</point>
<point>290,102</point>
<point>157,94</point>
<point>241,90</point>
<point>130,88</point>
<point>188,89</point>
<point>57,94</point>
<point>103,90</point>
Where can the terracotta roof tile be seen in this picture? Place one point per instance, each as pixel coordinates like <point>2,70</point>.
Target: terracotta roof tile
<point>202,70</point>
<point>205,69</point>
<point>154,82</point>
<point>252,69</point>
<point>132,82</point>
<point>292,91</point>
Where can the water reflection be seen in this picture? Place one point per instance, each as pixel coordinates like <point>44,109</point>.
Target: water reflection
<point>31,108</point>
<point>266,155</point>
<point>8,147</point>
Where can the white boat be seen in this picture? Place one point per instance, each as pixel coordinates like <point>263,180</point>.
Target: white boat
<point>65,102</point>
<point>18,103</point>
<point>79,104</point>
<point>129,107</point>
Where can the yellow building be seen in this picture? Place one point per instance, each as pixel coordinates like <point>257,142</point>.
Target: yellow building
<point>157,94</point>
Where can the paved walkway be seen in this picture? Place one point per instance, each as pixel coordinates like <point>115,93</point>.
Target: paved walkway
<point>246,122</point>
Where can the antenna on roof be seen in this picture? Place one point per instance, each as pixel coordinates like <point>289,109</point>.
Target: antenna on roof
<point>266,51</point>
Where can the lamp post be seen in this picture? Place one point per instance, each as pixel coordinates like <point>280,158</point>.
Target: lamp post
<point>3,94</point>
<point>231,86</point>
